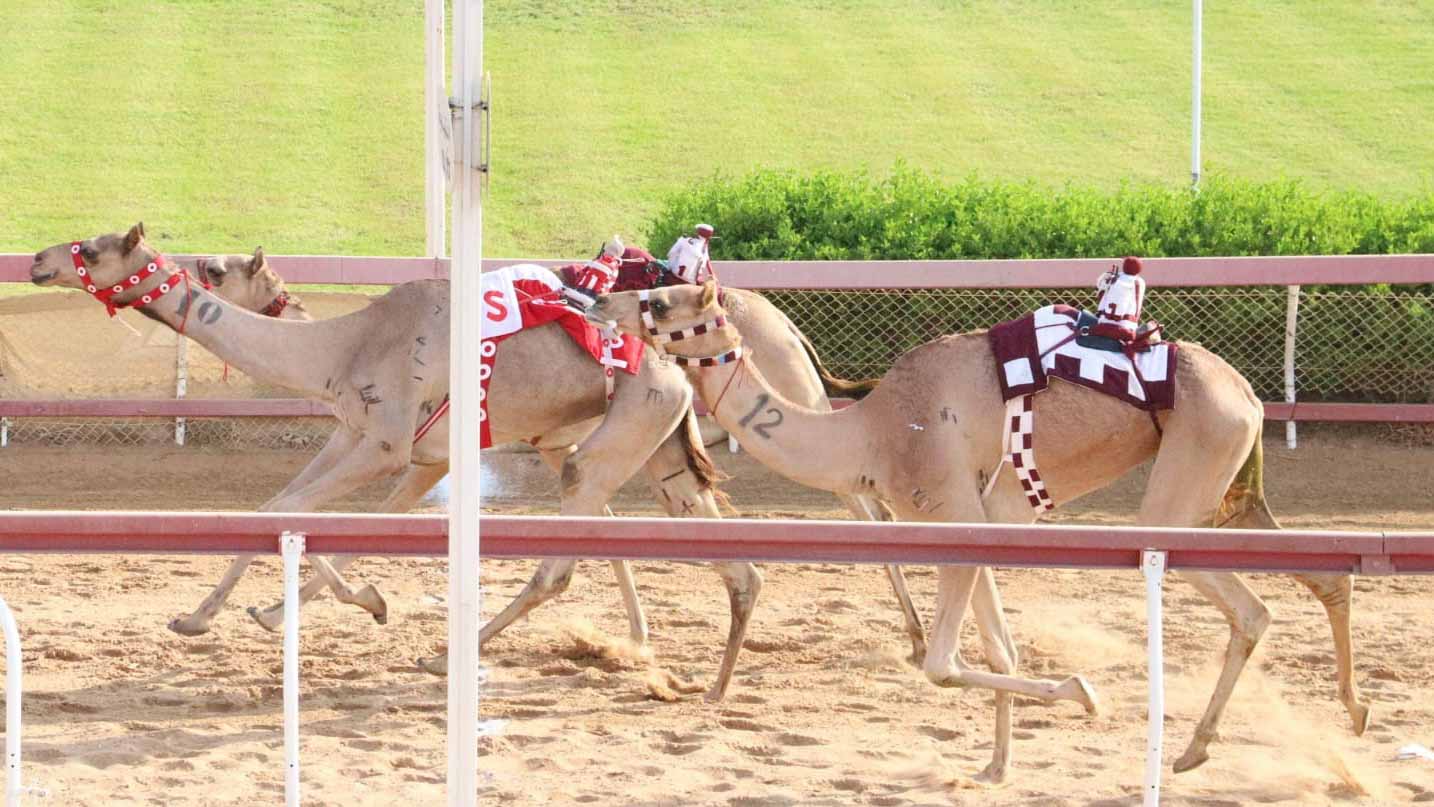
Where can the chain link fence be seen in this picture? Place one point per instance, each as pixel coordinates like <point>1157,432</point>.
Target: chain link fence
<point>1353,345</point>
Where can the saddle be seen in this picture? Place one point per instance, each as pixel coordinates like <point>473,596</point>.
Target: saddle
<point>1146,336</point>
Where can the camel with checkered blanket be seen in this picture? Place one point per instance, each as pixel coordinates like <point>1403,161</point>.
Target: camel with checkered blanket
<point>251,283</point>
<point>926,439</point>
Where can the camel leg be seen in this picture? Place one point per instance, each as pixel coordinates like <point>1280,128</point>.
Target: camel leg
<point>590,476</point>
<point>1000,652</point>
<point>621,570</point>
<point>991,616</point>
<point>340,445</point>
<point>1248,618</point>
<point>366,598</point>
<point>870,510</point>
<point>551,579</point>
<point>415,481</point>
<point>682,493</point>
<point>1335,592</point>
<point>743,583</point>
<point>944,666</point>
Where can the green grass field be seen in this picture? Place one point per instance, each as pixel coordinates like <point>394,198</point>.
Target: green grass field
<point>295,124</point>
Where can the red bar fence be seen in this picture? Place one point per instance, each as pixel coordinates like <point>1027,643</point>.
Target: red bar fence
<point>758,540</point>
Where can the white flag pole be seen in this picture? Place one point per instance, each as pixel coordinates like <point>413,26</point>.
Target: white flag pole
<point>465,289</point>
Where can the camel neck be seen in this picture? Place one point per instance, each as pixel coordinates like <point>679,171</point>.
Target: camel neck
<point>818,449</point>
<point>274,351</point>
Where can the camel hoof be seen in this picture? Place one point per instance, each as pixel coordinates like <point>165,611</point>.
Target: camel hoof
<point>1191,759</point>
<point>437,665</point>
<point>714,695</point>
<point>1084,694</point>
<point>258,616</point>
<point>994,774</point>
<point>373,602</point>
<point>1361,715</point>
<point>184,628</point>
<point>918,655</point>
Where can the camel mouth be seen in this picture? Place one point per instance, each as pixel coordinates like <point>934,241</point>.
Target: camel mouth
<point>41,278</point>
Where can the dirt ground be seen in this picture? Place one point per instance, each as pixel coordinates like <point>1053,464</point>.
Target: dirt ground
<point>824,709</point>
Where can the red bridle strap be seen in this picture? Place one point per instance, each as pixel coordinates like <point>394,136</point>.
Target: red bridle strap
<point>107,295</point>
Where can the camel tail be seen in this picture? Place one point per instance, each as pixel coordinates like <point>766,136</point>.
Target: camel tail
<point>834,387</point>
<point>699,462</point>
<point>1244,506</point>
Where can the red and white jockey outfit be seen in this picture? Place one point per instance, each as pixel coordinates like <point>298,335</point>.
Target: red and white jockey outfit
<point>1122,297</point>
<point>585,282</point>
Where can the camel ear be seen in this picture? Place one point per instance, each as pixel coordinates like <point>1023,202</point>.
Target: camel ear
<point>709,294</point>
<point>257,262</point>
<point>133,237</point>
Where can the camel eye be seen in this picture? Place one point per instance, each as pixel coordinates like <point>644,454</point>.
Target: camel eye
<point>659,309</point>
<point>89,253</point>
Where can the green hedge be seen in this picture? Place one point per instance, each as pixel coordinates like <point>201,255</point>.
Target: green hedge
<point>1362,343</point>
<point>910,215</point>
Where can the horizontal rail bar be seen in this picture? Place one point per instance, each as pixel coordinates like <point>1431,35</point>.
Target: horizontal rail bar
<point>935,274</point>
<point>1350,412</point>
<point>165,408</point>
<point>724,539</point>
<point>984,544</point>
<point>104,532</point>
<point>301,407</point>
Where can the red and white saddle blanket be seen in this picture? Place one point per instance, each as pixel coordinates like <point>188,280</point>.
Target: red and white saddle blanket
<point>1030,350</point>
<point>525,296</point>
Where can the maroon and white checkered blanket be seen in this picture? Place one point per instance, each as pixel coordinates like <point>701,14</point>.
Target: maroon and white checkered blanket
<point>1031,349</point>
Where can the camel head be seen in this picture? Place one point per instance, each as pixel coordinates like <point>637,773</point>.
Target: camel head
<point>683,320</point>
<point>247,281</point>
<point>108,260</point>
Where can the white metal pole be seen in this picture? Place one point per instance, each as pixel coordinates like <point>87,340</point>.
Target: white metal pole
<point>435,121</point>
<point>1195,66</point>
<point>14,689</point>
<point>464,413</point>
<point>1153,565</point>
<point>292,546</point>
<point>4,432</point>
<point>1292,316</point>
<point>181,382</point>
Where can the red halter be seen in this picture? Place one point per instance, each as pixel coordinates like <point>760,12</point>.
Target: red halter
<point>107,295</point>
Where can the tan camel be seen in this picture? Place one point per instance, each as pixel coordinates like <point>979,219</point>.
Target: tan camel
<point>383,369</point>
<point>896,446</point>
<point>787,356</point>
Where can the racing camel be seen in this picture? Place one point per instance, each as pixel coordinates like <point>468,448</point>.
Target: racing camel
<point>367,362</point>
<point>376,368</point>
<point>924,440</point>
<point>786,356</point>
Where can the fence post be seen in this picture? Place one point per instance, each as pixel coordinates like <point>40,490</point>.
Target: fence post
<point>4,432</point>
<point>181,382</point>
<point>1292,315</point>
<point>13,693</point>
<point>292,547</point>
<point>1152,564</point>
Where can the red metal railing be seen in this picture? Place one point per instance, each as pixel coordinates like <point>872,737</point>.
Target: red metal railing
<point>755,540</point>
<point>302,407</point>
<point>974,274</point>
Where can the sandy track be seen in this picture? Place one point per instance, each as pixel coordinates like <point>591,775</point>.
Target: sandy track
<point>823,710</point>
